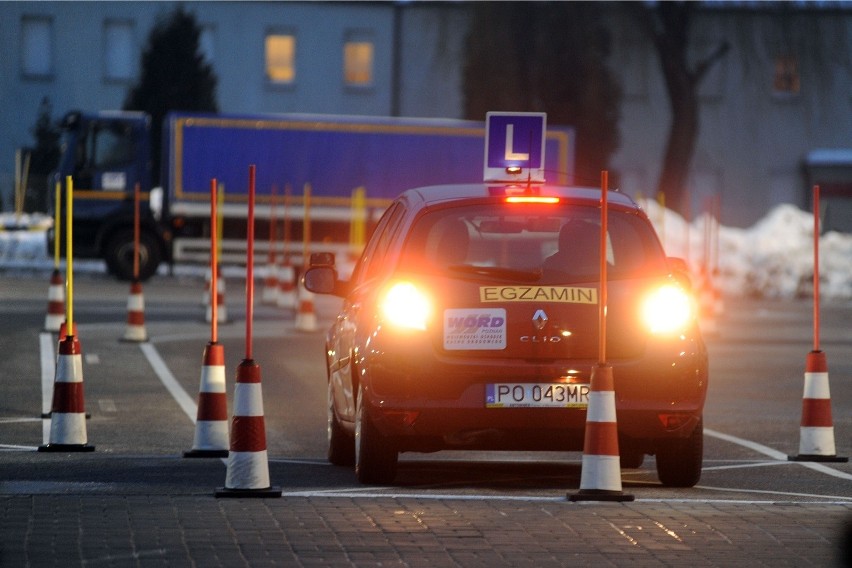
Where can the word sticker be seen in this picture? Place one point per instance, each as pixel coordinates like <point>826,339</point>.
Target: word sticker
<point>475,329</point>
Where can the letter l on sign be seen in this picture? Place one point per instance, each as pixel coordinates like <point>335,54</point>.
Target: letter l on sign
<point>514,140</point>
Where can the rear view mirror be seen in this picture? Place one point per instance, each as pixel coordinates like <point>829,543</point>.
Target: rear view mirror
<point>320,279</point>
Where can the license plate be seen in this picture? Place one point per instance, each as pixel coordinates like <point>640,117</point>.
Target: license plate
<point>536,395</point>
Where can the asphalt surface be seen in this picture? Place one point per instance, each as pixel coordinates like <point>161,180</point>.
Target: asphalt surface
<point>135,501</point>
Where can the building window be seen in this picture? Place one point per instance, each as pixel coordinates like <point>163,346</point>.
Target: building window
<point>786,80</point>
<point>36,47</point>
<point>281,58</point>
<point>358,62</point>
<point>118,51</point>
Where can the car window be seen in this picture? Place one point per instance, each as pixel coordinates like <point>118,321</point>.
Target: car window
<point>534,243</point>
<point>372,261</point>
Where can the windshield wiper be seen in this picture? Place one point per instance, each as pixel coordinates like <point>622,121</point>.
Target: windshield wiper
<point>497,272</point>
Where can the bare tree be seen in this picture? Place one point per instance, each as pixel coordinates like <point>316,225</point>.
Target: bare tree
<point>668,26</point>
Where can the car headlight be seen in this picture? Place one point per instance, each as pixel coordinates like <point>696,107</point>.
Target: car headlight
<point>404,305</point>
<point>668,309</point>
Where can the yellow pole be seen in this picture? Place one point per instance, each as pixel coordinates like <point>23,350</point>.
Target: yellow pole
<point>357,230</point>
<point>57,204</point>
<point>69,256</point>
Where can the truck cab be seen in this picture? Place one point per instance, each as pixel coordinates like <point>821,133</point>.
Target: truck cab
<point>107,154</point>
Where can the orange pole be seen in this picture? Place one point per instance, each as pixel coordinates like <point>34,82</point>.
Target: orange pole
<point>603,298</point>
<point>136,232</point>
<point>250,263</point>
<point>273,229</point>
<point>816,268</point>
<point>214,263</point>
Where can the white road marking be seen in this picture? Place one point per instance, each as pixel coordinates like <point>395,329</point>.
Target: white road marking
<point>48,370</point>
<point>169,381</point>
<point>775,454</point>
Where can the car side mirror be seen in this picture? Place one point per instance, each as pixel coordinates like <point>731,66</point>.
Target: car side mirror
<point>323,280</point>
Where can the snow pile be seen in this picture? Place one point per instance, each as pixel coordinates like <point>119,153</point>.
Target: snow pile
<point>772,259</point>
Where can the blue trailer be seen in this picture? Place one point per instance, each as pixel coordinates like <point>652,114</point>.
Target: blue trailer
<point>108,153</point>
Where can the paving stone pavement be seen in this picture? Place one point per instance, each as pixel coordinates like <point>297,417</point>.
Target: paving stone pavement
<point>199,530</point>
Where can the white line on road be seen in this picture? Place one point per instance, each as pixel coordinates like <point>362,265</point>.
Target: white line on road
<point>48,368</point>
<point>169,381</point>
<point>775,454</point>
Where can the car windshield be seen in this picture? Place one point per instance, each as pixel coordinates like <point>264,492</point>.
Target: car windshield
<point>531,243</point>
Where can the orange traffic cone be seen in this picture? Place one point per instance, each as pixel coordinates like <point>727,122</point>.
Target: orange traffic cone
<point>248,465</point>
<point>63,330</point>
<point>68,416</point>
<point>270,284</point>
<point>211,424</point>
<point>707,305</point>
<point>286,284</point>
<point>600,478</point>
<point>55,303</point>
<point>135,330</point>
<point>221,308</point>
<point>816,435</point>
<point>205,296</point>
<point>306,318</point>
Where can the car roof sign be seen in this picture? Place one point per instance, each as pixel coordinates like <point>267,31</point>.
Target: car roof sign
<point>514,146</point>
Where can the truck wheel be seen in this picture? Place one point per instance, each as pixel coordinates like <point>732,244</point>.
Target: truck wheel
<point>119,255</point>
<point>679,462</point>
<point>341,445</point>
<point>375,458</point>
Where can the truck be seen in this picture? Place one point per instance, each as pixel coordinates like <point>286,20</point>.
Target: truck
<point>317,161</point>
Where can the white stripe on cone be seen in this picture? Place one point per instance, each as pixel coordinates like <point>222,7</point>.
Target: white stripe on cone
<point>247,470</point>
<point>55,304</point>
<point>135,330</point>
<point>221,308</point>
<point>286,286</point>
<point>306,318</point>
<point>813,439</point>
<point>68,428</point>
<point>211,435</point>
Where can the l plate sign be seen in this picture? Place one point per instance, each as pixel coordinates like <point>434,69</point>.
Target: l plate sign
<point>514,146</point>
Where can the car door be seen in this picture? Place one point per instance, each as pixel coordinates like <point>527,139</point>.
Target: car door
<point>365,279</point>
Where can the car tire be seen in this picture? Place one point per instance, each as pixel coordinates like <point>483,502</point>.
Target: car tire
<point>341,445</point>
<point>119,255</point>
<point>679,463</point>
<point>631,459</point>
<point>375,458</point>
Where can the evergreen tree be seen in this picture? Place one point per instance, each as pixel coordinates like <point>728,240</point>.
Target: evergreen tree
<point>174,76</point>
<point>546,57</point>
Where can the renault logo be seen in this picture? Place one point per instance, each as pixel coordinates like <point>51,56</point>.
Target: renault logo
<point>539,319</point>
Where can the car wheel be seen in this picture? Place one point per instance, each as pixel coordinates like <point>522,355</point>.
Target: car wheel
<point>341,445</point>
<point>375,458</point>
<point>631,459</point>
<point>119,255</point>
<point>679,463</point>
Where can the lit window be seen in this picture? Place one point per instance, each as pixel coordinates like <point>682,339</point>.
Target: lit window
<point>786,75</point>
<point>280,58</point>
<point>36,47</point>
<point>118,50</point>
<point>358,63</point>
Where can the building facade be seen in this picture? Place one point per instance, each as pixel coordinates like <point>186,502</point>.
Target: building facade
<point>783,90</point>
